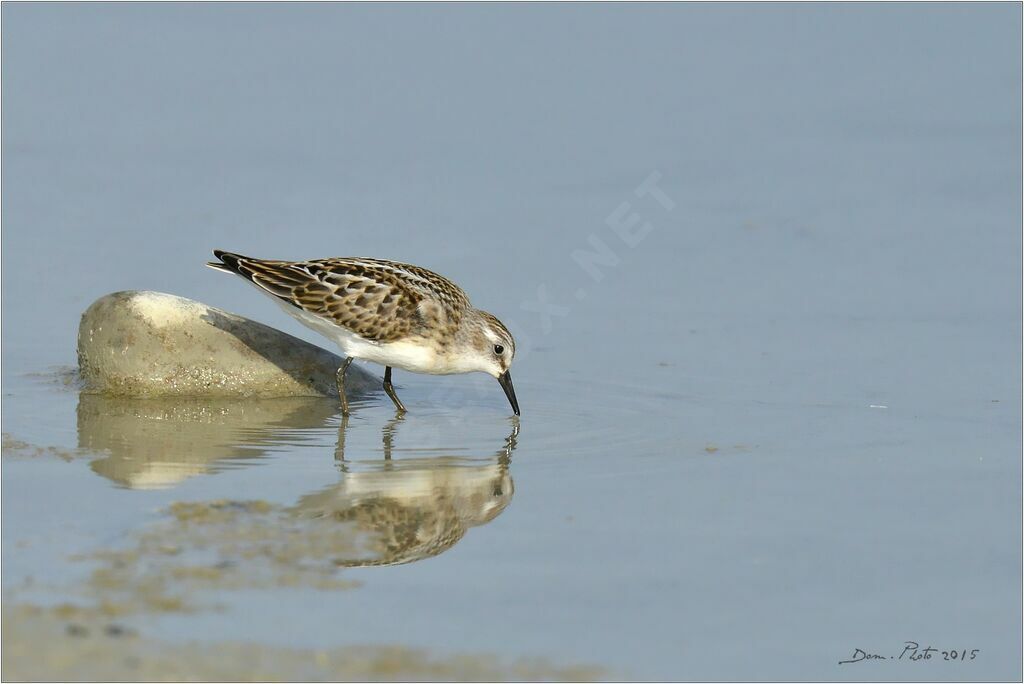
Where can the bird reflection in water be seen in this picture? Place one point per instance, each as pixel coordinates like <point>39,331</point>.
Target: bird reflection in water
<point>382,511</point>
<point>404,510</point>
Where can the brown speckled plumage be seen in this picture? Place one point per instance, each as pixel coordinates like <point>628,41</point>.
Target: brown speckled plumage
<point>395,314</point>
<point>374,298</point>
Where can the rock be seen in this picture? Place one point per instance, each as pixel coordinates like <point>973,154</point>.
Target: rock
<point>154,344</point>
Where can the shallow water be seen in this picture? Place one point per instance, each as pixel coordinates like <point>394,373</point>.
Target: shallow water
<point>775,418</point>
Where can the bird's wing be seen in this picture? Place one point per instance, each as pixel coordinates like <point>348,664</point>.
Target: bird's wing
<point>379,300</point>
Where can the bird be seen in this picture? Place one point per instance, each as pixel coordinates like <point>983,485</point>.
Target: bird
<point>391,313</point>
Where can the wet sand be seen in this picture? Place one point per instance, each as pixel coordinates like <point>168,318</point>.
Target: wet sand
<point>60,644</point>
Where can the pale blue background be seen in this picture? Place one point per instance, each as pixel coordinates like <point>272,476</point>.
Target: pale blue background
<point>847,234</point>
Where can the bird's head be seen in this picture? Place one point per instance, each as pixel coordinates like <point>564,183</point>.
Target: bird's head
<point>492,351</point>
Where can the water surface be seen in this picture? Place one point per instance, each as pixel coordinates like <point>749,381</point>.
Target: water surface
<point>773,417</point>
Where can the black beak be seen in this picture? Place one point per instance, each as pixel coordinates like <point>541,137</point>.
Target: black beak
<point>505,380</point>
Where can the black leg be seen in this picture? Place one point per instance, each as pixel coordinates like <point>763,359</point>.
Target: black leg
<point>339,450</point>
<point>341,386</point>
<point>388,434</point>
<point>389,388</point>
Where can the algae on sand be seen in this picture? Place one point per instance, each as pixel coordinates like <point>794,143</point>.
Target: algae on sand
<point>215,545</point>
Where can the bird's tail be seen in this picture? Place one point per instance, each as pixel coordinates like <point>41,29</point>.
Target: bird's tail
<point>279,278</point>
<point>228,262</point>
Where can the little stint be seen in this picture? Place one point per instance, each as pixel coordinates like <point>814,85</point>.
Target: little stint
<point>394,314</point>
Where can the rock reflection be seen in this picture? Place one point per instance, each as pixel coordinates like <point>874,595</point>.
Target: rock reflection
<point>157,443</point>
<point>403,510</point>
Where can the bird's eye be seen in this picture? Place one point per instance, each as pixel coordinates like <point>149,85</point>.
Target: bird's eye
<point>499,350</point>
